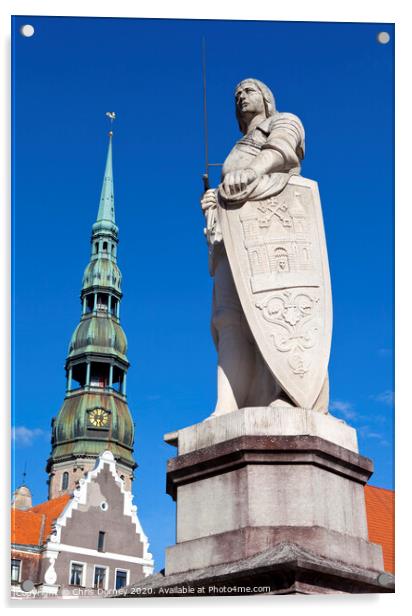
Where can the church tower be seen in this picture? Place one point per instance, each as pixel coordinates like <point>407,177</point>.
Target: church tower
<point>95,416</point>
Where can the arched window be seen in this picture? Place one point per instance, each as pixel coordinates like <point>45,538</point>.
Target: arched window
<point>65,480</point>
<point>105,246</point>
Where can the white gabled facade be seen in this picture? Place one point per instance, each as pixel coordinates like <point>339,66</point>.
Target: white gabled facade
<point>82,501</point>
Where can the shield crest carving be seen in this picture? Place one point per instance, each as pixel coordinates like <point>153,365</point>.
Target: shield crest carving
<point>277,253</point>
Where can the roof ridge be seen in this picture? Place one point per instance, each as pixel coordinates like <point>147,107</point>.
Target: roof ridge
<point>62,497</point>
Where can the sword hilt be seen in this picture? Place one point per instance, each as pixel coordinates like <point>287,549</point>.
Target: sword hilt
<point>206,185</point>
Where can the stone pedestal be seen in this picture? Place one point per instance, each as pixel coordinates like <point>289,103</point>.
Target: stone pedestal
<point>257,478</point>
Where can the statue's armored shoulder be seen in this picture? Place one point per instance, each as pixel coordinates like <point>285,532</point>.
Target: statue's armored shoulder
<point>284,118</point>
<point>287,124</point>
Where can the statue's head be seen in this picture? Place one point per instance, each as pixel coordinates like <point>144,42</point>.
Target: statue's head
<point>260,100</point>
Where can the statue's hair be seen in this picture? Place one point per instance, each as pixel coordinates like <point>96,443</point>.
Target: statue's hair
<point>268,100</point>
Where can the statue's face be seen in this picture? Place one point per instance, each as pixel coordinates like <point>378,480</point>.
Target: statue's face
<point>249,99</point>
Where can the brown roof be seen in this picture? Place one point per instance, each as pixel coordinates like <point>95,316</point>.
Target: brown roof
<point>380,512</point>
<point>32,527</point>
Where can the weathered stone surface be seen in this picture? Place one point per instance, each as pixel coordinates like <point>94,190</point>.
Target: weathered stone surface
<point>248,541</point>
<point>284,568</point>
<point>268,480</point>
<point>286,421</point>
<point>237,497</point>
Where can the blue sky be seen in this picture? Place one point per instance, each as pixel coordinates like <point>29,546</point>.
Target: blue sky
<point>335,77</point>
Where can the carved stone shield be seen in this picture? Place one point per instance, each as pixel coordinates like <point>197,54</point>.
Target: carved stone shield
<point>278,257</point>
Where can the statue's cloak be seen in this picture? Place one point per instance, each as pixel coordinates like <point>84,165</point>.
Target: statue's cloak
<point>277,253</point>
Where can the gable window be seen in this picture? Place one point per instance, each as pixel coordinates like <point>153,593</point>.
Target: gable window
<point>15,570</point>
<point>100,541</point>
<point>76,574</point>
<point>65,480</point>
<point>99,577</point>
<point>121,578</point>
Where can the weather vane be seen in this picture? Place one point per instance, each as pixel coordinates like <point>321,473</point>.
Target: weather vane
<point>112,116</point>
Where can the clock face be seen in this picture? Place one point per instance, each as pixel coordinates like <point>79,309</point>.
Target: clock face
<point>99,418</point>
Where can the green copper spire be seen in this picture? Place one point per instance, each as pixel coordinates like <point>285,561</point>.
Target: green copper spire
<point>105,226</point>
<point>95,415</point>
<point>106,207</point>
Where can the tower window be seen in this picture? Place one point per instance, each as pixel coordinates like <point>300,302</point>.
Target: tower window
<point>96,247</point>
<point>99,374</point>
<point>102,302</point>
<point>105,246</point>
<point>65,480</point>
<point>100,541</point>
<point>89,303</point>
<point>118,379</point>
<point>79,374</point>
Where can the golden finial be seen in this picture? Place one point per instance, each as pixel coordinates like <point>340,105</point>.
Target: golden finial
<point>112,116</point>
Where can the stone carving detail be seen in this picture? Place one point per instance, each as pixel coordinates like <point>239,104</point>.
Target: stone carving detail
<point>295,316</point>
<point>271,208</point>
<point>50,576</point>
<point>277,238</point>
<point>277,250</point>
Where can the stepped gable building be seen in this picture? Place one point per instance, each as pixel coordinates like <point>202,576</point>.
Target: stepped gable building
<point>95,416</point>
<point>81,544</point>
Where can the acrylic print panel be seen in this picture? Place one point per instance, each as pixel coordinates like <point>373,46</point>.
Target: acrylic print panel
<point>68,74</point>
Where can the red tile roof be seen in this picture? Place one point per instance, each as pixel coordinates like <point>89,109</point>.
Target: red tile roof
<point>380,512</point>
<point>32,527</point>
<point>25,527</point>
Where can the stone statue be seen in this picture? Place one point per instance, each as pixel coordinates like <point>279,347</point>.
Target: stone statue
<point>272,307</point>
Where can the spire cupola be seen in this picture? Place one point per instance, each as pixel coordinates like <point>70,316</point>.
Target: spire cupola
<point>95,415</point>
<point>101,290</point>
